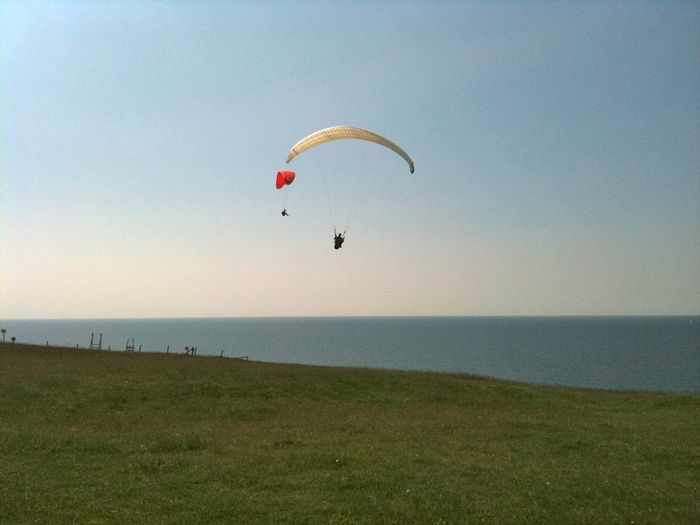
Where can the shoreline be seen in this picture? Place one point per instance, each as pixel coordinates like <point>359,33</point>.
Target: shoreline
<point>30,346</point>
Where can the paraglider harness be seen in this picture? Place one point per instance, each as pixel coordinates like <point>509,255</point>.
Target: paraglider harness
<point>339,239</point>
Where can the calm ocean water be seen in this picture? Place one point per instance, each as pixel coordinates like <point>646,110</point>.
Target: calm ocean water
<point>642,353</point>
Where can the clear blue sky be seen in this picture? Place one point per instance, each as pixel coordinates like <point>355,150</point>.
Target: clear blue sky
<point>557,152</point>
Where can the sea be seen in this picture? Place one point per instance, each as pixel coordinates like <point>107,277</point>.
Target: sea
<point>659,354</point>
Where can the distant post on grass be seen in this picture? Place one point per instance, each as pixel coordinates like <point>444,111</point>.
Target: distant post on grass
<point>93,344</point>
<point>3,330</point>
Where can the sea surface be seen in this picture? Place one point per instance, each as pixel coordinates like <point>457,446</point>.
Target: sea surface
<point>618,353</point>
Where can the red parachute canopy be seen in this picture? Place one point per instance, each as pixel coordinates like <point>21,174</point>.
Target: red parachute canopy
<point>284,178</point>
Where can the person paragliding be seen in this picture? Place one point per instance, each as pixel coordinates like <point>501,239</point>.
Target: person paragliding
<point>338,239</point>
<point>335,133</point>
<point>284,178</point>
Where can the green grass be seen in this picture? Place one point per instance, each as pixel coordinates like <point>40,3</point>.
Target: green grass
<point>99,437</point>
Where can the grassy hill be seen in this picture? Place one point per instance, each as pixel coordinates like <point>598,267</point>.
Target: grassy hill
<point>106,437</point>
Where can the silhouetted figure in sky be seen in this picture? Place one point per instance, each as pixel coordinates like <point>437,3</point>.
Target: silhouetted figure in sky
<point>338,239</point>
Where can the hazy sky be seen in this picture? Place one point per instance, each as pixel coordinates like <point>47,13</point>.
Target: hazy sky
<point>556,144</point>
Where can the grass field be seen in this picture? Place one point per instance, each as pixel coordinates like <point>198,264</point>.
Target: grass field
<point>105,437</point>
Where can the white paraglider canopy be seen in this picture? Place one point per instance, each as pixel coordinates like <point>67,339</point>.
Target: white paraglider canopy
<point>345,132</point>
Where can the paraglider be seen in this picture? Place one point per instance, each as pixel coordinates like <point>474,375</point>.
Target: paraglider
<point>284,178</point>
<point>331,134</point>
<point>338,239</point>
<point>345,132</point>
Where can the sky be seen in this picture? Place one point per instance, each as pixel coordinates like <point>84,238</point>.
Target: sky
<point>556,146</point>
